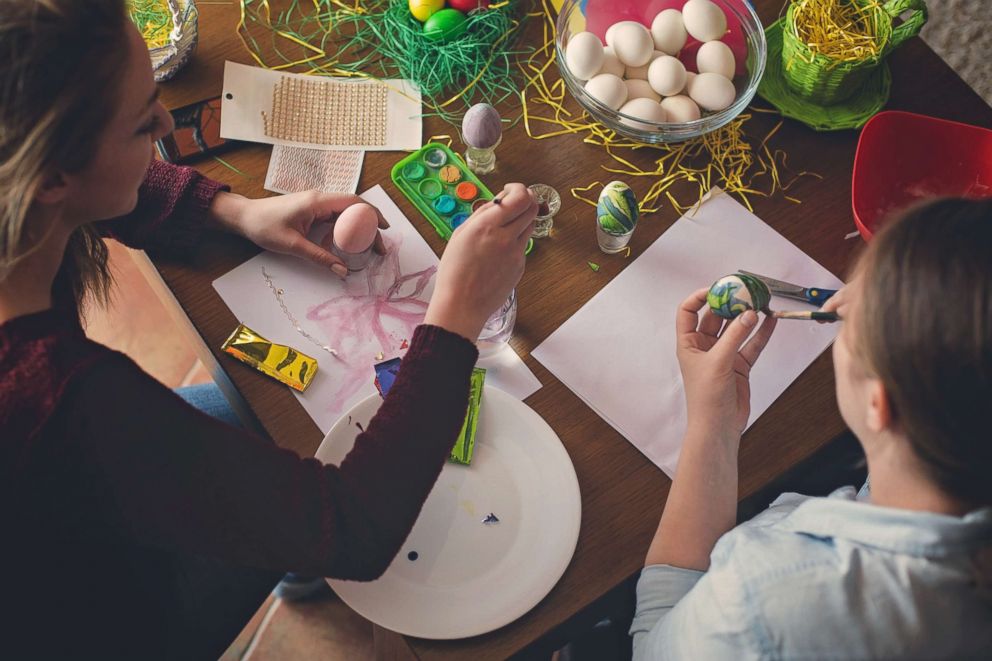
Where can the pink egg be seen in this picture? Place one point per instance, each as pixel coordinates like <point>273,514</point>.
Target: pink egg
<point>355,228</point>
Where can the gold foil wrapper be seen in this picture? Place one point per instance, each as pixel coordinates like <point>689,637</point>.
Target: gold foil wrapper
<point>281,362</point>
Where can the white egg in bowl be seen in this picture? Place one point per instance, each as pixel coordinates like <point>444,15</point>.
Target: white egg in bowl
<point>716,104</point>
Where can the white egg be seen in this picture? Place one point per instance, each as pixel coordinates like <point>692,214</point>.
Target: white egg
<point>641,72</point>
<point>680,108</point>
<point>666,75</point>
<point>609,34</point>
<point>608,89</point>
<point>716,57</point>
<point>584,55</point>
<point>712,91</point>
<point>704,20</point>
<point>640,89</point>
<point>668,31</point>
<point>646,109</point>
<point>689,75</point>
<point>611,63</point>
<point>633,43</point>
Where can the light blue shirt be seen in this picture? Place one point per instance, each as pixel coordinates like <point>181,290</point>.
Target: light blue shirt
<point>826,578</point>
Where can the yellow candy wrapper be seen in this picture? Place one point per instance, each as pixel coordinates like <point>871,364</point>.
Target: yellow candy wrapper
<point>281,362</point>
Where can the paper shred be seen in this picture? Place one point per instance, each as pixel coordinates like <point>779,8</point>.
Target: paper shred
<point>380,39</point>
<point>153,18</point>
<point>379,356</point>
<point>842,31</point>
<point>593,266</point>
<point>851,235</point>
<point>404,345</point>
<point>491,519</point>
<point>726,157</point>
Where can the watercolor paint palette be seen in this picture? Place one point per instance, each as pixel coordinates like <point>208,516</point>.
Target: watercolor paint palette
<point>439,184</point>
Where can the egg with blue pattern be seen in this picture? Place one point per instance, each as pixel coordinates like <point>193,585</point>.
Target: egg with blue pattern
<point>616,211</point>
<point>735,294</point>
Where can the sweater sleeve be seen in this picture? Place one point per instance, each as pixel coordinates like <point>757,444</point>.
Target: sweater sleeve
<point>172,210</point>
<point>167,476</point>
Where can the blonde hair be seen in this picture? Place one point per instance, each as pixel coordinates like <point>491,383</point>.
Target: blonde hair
<point>59,64</point>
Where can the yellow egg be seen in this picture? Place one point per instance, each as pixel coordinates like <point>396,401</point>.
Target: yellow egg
<point>423,9</point>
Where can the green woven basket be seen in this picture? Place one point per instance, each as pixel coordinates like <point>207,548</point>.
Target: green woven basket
<point>826,81</point>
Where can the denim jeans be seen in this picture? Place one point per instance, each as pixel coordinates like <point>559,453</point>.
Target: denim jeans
<point>208,398</point>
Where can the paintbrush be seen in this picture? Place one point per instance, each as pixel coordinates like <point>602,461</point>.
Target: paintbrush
<point>809,315</point>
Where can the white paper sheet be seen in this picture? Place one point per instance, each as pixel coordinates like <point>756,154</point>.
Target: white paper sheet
<point>372,312</point>
<point>617,353</point>
<point>250,92</point>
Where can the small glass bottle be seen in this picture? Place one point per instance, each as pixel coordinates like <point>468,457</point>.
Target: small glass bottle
<point>549,202</point>
<point>612,243</point>
<point>482,160</point>
<point>498,330</point>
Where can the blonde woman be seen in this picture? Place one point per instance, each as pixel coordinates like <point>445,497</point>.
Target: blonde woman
<point>903,570</point>
<point>135,526</point>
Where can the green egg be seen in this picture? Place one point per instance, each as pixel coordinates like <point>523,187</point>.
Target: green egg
<point>445,25</point>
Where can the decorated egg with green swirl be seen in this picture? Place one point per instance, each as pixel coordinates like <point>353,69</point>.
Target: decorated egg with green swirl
<point>616,211</point>
<point>732,295</point>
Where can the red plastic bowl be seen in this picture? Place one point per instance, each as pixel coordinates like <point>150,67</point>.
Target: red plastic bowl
<point>903,157</point>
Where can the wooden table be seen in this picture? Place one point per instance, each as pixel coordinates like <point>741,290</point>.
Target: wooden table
<point>622,492</point>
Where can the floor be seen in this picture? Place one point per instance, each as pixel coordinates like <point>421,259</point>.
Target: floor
<point>323,627</point>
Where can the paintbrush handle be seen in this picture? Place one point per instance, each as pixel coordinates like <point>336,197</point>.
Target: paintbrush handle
<point>807,315</point>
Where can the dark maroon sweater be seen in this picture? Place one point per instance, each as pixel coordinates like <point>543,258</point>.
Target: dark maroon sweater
<point>107,477</point>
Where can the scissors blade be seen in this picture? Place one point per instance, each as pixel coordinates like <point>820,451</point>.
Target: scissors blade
<point>778,286</point>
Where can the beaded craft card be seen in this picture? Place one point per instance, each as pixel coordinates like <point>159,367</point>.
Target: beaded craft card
<point>260,105</point>
<point>295,169</point>
<point>351,325</point>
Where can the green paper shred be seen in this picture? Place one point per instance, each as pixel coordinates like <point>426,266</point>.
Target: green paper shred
<point>593,266</point>
<point>382,39</point>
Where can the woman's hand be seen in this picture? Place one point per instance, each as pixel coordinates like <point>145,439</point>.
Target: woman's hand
<point>482,263</point>
<point>840,301</point>
<point>716,365</point>
<point>281,224</point>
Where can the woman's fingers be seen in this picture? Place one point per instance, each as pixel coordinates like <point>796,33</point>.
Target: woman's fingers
<point>710,324</point>
<point>735,334</point>
<point>752,350</point>
<point>687,317</point>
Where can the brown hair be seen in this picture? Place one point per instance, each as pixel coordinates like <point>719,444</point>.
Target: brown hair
<point>59,80</point>
<point>926,331</point>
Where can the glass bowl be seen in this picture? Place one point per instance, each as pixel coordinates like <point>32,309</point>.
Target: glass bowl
<point>572,20</point>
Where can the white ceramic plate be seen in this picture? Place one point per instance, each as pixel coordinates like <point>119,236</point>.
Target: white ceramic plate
<point>468,577</point>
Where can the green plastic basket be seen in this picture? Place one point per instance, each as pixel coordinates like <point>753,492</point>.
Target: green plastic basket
<point>826,81</point>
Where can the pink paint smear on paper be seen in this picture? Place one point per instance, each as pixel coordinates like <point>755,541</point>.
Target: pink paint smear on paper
<point>364,324</point>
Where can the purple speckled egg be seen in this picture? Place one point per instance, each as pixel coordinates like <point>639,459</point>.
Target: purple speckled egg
<point>481,127</point>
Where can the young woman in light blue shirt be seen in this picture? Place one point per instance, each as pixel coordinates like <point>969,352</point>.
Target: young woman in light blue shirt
<point>901,571</point>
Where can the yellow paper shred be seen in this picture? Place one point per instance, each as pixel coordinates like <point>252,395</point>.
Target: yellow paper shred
<point>724,157</point>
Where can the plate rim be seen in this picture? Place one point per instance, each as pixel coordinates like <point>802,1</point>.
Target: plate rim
<point>495,623</point>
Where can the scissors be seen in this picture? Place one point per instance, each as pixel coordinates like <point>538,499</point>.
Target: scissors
<point>813,295</point>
